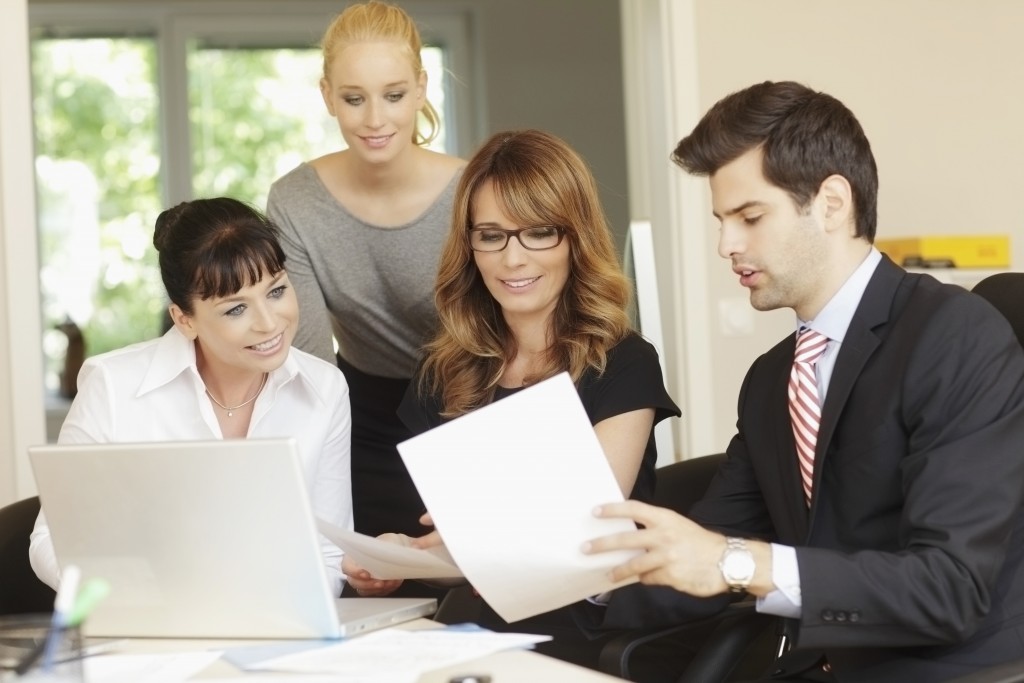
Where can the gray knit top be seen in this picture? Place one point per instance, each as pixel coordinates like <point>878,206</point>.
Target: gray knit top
<point>372,286</point>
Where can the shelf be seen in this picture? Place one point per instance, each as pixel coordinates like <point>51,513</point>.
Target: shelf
<point>965,277</point>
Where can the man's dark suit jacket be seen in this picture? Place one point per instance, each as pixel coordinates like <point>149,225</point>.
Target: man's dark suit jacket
<point>911,557</point>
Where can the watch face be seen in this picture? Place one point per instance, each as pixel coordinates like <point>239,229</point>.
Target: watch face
<point>737,567</point>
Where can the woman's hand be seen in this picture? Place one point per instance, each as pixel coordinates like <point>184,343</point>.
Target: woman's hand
<point>364,582</point>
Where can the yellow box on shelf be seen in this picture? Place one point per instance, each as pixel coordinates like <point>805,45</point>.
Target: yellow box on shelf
<point>974,251</point>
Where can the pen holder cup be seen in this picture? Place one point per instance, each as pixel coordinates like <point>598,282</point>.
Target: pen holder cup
<point>27,657</point>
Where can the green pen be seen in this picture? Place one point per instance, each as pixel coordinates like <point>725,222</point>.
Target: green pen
<point>86,599</point>
<point>91,593</point>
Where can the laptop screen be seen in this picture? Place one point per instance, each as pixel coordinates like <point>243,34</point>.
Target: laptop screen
<point>197,538</point>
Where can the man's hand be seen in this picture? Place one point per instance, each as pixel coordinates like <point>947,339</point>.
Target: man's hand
<point>676,551</point>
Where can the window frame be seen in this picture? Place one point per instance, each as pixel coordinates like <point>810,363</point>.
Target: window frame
<point>248,23</point>
<point>262,24</point>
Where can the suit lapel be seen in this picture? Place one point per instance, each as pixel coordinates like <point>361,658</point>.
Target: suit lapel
<point>859,344</point>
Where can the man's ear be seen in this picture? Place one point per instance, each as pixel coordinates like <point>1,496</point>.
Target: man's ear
<point>835,196</point>
<point>325,92</point>
<point>183,322</point>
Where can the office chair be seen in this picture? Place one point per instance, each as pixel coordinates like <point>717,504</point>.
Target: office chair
<point>1011,672</point>
<point>20,591</point>
<point>1005,291</point>
<point>728,635</point>
<point>460,605</point>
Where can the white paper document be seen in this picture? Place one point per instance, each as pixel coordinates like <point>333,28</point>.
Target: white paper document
<point>275,677</point>
<point>511,488</point>
<point>387,560</point>
<point>397,655</point>
<point>147,668</point>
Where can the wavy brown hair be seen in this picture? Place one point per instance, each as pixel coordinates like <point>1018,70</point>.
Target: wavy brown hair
<point>538,180</point>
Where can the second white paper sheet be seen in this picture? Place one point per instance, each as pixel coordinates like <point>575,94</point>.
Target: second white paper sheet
<point>390,560</point>
<point>511,488</point>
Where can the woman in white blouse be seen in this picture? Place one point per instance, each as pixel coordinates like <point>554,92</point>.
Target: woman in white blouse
<point>225,369</point>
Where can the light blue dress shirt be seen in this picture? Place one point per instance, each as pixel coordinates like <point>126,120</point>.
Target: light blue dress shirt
<point>833,322</point>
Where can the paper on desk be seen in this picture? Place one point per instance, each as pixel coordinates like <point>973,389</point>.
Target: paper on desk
<point>273,677</point>
<point>398,655</point>
<point>147,668</point>
<point>386,560</point>
<point>512,487</point>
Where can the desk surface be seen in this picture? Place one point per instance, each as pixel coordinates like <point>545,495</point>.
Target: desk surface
<point>503,667</point>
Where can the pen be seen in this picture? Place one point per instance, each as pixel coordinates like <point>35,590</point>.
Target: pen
<point>66,593</point>
<point>92,592</point>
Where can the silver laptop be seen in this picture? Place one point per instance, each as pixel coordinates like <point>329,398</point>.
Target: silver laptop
<point>199,539</point>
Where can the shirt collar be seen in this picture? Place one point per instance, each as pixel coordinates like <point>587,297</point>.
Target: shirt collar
<point>176,354</point>
<point>834,320</point>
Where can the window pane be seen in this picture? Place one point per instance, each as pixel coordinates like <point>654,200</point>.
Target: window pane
<point>97,172</point>
<point>256,113</point>
<point>433,59</point>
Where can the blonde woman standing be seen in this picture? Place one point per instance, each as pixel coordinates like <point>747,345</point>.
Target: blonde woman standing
<point>363,229</point>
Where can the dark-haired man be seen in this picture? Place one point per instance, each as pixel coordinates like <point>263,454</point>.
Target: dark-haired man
<point>873,492</point>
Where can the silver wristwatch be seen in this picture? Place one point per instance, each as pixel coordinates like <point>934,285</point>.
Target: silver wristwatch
<point>737,565</point>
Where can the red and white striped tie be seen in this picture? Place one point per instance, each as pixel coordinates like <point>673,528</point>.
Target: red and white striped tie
<point>804,408</point>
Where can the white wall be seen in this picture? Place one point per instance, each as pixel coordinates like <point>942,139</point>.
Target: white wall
<point>21,391</point>
<point>557,65</point>
<point>938,86</point>
<point>659,51</point>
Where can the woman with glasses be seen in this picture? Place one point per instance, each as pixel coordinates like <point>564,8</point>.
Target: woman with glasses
<point>363,228</point>
<point>529,285</point>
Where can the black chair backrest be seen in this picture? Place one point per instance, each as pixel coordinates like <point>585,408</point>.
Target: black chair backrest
<point>679,485</point>
<point>1012,672</point>
<point>1005,291</point>
<point>21,592</point>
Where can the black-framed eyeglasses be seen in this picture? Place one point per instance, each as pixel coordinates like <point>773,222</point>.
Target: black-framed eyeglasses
<point>534,238</point>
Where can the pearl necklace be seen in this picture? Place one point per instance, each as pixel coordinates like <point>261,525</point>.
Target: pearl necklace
<point>231,411</point>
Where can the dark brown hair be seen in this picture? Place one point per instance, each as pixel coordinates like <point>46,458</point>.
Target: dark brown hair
<point>806,136</point>
<point>213,248</point>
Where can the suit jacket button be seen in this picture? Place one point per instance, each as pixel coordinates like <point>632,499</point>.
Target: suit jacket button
<point>841,616</point>
<point>827,615</point>
<point>854,616</point>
